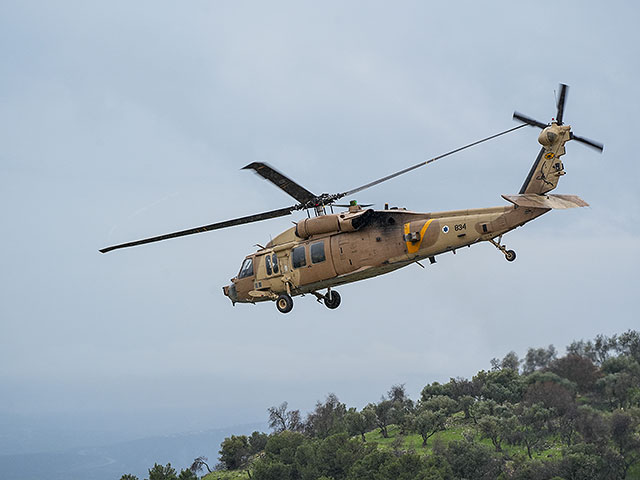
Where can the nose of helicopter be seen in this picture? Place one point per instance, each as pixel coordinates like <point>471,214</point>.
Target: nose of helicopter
<point>230,291</point>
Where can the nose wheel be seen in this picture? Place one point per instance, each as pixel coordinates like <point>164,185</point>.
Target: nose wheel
<point>509,255</point>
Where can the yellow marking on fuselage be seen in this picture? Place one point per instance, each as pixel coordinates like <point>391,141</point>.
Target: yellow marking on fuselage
<point>414,247</point>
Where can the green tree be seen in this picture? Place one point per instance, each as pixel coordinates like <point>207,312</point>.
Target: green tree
<point>483,408</point>
<point>369,466</point>
<point>272,470</point>
<point>552,392</point>
<point>327,418</point>
<point>510,361</point>
<point>307,466</point>
<point>531,427</point>
<point>433,389</point>
<point>442,403</point>
<point>603,346</point>
<point>592,425</point>
<point>459,387</point>
<point>629,344</point>
<point>472,460</point>
<point>427,423</point>
<point>279,459</point>
<point>234,452</point>
<point>187,474</point>
<point>580,348</point>
<point>500,386</point>
<point>359,423</point>
<point>257,442</point>
<point>128,476</point>
<point>336,454</point>
<point>495,428</point>
<point>159,472</point>
<point>538,358</point>
<point>620,385</point>
<point>625,433</point>
<point>283,446</point>
<point>405,467</point>
<point>465,404</point>
<point>586,461</point>
<point>577,369</point>
<point>382,412</point>
<point>402,411</point>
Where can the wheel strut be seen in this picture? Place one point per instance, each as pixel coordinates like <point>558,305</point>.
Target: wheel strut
<point>510,255</point>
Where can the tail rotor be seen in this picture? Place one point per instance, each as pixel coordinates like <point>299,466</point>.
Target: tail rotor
<point>562,100</point>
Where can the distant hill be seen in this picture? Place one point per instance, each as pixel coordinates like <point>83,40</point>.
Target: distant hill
<point>111,461</point>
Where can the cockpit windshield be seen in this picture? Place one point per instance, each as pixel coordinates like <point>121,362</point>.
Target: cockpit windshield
<point>247,268</point>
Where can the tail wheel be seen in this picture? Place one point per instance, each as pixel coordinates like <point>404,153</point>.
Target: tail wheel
<point>332,299</point>
<point>284,303</point>
<point>510,255</point>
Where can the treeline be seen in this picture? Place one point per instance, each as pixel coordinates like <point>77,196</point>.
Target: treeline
<point>165,472</point>
<point>540,417</point>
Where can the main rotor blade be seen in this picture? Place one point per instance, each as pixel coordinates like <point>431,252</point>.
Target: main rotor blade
<point>207,228</point>
<point>528,120</point>
<point>421,164</point>
<point>591,143</point>
<point>281,181</point>
<point>562,99</point>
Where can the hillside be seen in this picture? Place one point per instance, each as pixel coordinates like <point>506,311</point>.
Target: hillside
<point>540,417</point>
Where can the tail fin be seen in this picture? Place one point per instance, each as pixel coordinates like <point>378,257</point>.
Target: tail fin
<point>547,169</point>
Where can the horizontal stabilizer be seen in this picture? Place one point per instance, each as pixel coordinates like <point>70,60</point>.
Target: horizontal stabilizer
<point>533,200</point>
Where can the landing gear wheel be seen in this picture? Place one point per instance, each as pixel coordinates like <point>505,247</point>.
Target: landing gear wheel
<point>510,255</point>
<point>332,299</point>
<point>284,303</point>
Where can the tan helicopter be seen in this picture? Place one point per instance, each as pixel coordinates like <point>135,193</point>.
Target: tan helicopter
<point>328,250</point>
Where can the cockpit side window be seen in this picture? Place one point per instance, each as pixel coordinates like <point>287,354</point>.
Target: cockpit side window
<point>247,268</point>
<point>267,263</point>
<point>275,263</point>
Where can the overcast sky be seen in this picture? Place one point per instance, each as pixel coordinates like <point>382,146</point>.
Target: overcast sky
<point>120,120</point>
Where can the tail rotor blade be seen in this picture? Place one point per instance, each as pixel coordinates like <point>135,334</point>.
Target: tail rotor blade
<point>528,120</point>
<point>591,143</point>
<point>562,100</point>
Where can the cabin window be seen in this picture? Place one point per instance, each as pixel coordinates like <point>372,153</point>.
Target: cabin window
<point>267,263</point>
<point>317,252</point>
<point>247,268</point>
<point>298,257</point>
<point>274,261</point>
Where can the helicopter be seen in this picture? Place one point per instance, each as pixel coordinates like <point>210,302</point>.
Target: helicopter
<point>327,250</point>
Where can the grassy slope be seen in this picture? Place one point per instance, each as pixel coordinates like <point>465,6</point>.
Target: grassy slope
<point>455,431</point>
<point>228,475</point>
